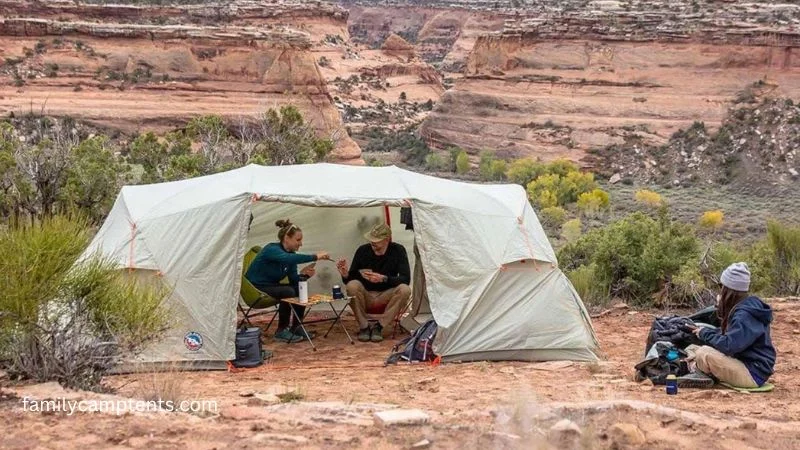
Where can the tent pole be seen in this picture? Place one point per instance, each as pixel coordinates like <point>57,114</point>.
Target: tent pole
<point>386,215</point>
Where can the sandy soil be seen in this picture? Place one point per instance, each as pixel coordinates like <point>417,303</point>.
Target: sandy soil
<point>475,405</point>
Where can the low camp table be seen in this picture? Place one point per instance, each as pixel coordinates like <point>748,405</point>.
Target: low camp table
<point>316,300</point>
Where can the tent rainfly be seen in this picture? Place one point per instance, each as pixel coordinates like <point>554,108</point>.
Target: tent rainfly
<point>493,282</point>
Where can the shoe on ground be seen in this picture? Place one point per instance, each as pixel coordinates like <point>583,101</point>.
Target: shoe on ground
<point>364,334</point>
<point>286,335</point>
<point>377,334</point>
<point>299,333</point>
<point>696,379</point>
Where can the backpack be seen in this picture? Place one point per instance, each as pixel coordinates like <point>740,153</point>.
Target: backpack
<point>416,348</point>
<point>663,359</point>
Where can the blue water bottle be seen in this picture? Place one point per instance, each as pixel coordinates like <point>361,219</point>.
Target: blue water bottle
<point>672,384</point>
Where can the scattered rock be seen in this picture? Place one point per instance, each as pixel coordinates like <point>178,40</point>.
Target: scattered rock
<point>427,380</point>
<point>3,375</point>
<point>619,305</point>
<point>507,370</point>
<point>273,437</point>
<point>793,172</point>
<point>422,444</point>
<point>627,434</point>
<point>795,331</point>
<point>401,417</point>
<point>565,427</point>
<point>647,382</point>
<point>260,399</point>
<point>748,425</point>
<point>616,178</point>
<point>501,435</point>
<point>246,394</point>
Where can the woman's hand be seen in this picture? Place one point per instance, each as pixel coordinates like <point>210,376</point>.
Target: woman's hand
<point>322,254</point>
<point>309,270</point>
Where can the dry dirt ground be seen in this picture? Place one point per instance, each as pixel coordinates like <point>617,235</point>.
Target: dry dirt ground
<point>475,405</point>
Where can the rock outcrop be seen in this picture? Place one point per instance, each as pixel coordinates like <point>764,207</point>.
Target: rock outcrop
<point>124,70</point>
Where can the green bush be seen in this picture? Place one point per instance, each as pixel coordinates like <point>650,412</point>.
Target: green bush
<point>485,165</point>
<point>65,322</point>
<point>553,216</point>
<point>591,203</point>
<point>589,285</point>
<point>497,170</point>
<point>784,242</point>
<point>434,162</point>
<point>566,189</point>
<point>523,171</point>
<point>462,163</point>
<point>637,255</point>
<point>571,230</point>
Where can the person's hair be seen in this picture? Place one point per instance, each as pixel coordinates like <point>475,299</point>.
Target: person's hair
<point>728,300</point>
<point>286,228</point>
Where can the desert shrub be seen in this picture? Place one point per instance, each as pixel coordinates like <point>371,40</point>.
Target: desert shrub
<point>523,171</point>
<point>435,162</point>
<point>591,287</point>
<point>591,203</point>
<point>462,163</point>
<point>485,165</point>
<point>553,216</point>
<point>497,170</point>
<point>546,199</point>
<point>637,255</point>
<point>711,220</point>
<point>649,198</point>
<point>562,179</point>
<point>571,230</point>
<point>784,242</point>
<point>65,322</point>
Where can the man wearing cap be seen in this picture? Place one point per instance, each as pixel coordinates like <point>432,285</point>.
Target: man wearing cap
<point>378,276</point>
<point>740,351</point>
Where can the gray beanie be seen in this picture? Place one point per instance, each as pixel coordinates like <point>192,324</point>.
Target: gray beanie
<point>736,277</point>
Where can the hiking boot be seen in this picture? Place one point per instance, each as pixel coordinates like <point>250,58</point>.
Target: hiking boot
<point>364,334</point>
<point>696,379</point>
<point>377,334</point>
<point>285,335</point>
<point>299,333</point>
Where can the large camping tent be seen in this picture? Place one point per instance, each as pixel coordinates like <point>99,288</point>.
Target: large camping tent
<point>493,284</point>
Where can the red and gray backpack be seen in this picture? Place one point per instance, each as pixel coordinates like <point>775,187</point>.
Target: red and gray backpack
<point>416,348</point>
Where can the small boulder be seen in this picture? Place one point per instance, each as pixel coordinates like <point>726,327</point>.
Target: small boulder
<point>565,428</point>
<point>626,434</point>
<point>616,178</point>
<point>401,417</point>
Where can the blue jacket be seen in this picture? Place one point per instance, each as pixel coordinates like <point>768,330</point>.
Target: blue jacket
<point>747,338</point>
<point>273,263</point>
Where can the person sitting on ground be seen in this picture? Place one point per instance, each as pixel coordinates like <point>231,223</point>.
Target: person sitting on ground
<point>378,276</point>
<point>740,352</point>
<point>279,260</point>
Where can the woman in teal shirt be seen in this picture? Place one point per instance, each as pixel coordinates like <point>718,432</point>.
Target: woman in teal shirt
<point>279,260</point>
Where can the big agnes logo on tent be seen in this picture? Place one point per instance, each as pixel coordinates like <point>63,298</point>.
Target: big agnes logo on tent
<point>193,341</point>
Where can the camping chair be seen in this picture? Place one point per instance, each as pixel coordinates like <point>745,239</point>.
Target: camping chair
<point>253,302</point>
<point>374,313</point>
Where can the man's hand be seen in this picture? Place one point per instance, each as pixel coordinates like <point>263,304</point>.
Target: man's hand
<point>309,270</point>
<point>341,266</point>
<point>374,277</point>
<point>697,331</point>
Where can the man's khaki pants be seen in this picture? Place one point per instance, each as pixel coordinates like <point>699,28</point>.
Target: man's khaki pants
<point>724,368</point>
<point>394,299</point>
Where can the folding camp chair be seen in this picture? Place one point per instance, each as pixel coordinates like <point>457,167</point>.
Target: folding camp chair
<point>252,302</point>
<point>374,314</point>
